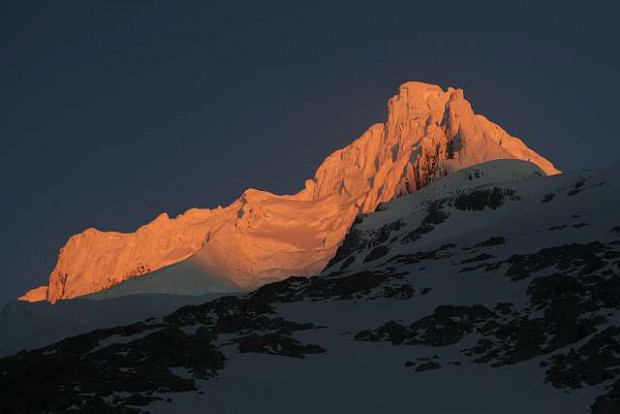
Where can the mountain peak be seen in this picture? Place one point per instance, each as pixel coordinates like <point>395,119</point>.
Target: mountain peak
<point>417,88</point>
<point>262,237</point>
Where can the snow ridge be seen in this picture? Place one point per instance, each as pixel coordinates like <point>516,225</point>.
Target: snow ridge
<point>262,237</point>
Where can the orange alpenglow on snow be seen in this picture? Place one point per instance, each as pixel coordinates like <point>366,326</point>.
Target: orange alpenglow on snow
<point>263,237</point>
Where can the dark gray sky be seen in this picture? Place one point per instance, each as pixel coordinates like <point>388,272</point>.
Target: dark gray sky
<point>115,111</point>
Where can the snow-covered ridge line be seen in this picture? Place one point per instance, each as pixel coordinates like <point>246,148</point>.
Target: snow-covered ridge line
<point>429,133</point>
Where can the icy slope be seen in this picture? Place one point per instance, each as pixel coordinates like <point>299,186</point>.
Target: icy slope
<point>184,278</point>
<point>496,290</point>
<point>429,133</point>
<point>32,325</point>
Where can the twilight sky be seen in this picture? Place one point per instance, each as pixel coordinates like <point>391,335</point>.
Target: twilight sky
<point>115,111</point>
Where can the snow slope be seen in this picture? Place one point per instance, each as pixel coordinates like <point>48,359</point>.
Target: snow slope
<point>496,289</point>
<point>31,325</point>
<point>184,278</point>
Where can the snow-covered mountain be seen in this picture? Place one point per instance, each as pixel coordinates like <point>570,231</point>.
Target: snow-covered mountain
<point>493,290</point>
<point>429,133</point>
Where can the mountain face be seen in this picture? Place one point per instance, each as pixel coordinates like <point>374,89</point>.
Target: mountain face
<point>493,290</point>
<point>429,133</point>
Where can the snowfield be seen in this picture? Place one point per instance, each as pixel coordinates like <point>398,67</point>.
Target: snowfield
<point>493,290</point>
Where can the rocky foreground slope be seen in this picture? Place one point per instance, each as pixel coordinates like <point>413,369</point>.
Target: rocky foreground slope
<point>495,289</point>
<point>429,133</point>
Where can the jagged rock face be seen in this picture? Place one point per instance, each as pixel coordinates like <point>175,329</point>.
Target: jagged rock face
<point>263,237</point>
